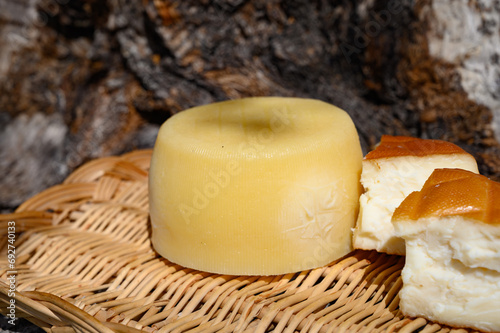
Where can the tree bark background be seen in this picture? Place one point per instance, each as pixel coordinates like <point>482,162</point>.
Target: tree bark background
<point>84,79</point>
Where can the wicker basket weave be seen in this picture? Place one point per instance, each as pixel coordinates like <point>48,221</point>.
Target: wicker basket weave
<point>84,263</point>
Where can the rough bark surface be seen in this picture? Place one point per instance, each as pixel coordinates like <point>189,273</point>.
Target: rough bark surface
<point>84,79</point>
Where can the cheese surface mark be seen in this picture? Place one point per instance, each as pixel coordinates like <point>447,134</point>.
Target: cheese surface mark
<point>257,186</point>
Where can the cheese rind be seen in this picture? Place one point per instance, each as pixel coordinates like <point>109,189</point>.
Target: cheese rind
<point>452,232</point>
<point>397,146</point>
<point>453,192</point>
<point>255,186</point>
<point>397,167</point>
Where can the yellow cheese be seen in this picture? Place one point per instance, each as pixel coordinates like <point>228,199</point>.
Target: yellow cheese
<point>257,186</point>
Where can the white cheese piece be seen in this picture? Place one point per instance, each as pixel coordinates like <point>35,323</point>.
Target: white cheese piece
<point>397,167</point>
<point>255,186</point>
<point>443,289</point>
<point>452,234</point>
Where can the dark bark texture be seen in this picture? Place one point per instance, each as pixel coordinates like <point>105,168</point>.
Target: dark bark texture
<point>84,79</point>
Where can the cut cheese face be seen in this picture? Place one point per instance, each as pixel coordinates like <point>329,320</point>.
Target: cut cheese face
<point>257,186</point>
<point>452,233</point>
<point>397,167</point>
<point>443,289</point>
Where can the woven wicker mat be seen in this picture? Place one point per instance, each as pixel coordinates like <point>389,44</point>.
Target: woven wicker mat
<point>84,263</point>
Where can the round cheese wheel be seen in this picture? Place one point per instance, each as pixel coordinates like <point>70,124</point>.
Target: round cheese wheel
<point>257,186</point>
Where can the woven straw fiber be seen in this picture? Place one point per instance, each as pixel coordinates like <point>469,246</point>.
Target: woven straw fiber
<point>84,263</point>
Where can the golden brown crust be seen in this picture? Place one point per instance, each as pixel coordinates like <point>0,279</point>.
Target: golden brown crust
<point>393,146</point>
<point>450,192</point>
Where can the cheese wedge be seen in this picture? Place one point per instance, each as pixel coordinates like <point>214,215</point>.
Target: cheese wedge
<point>396,167</point>
<point>256,186</point>
<point>452,233</point>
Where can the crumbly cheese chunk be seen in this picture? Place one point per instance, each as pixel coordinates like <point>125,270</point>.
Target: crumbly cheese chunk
<point>452,271</point>
<point>387,182</point>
